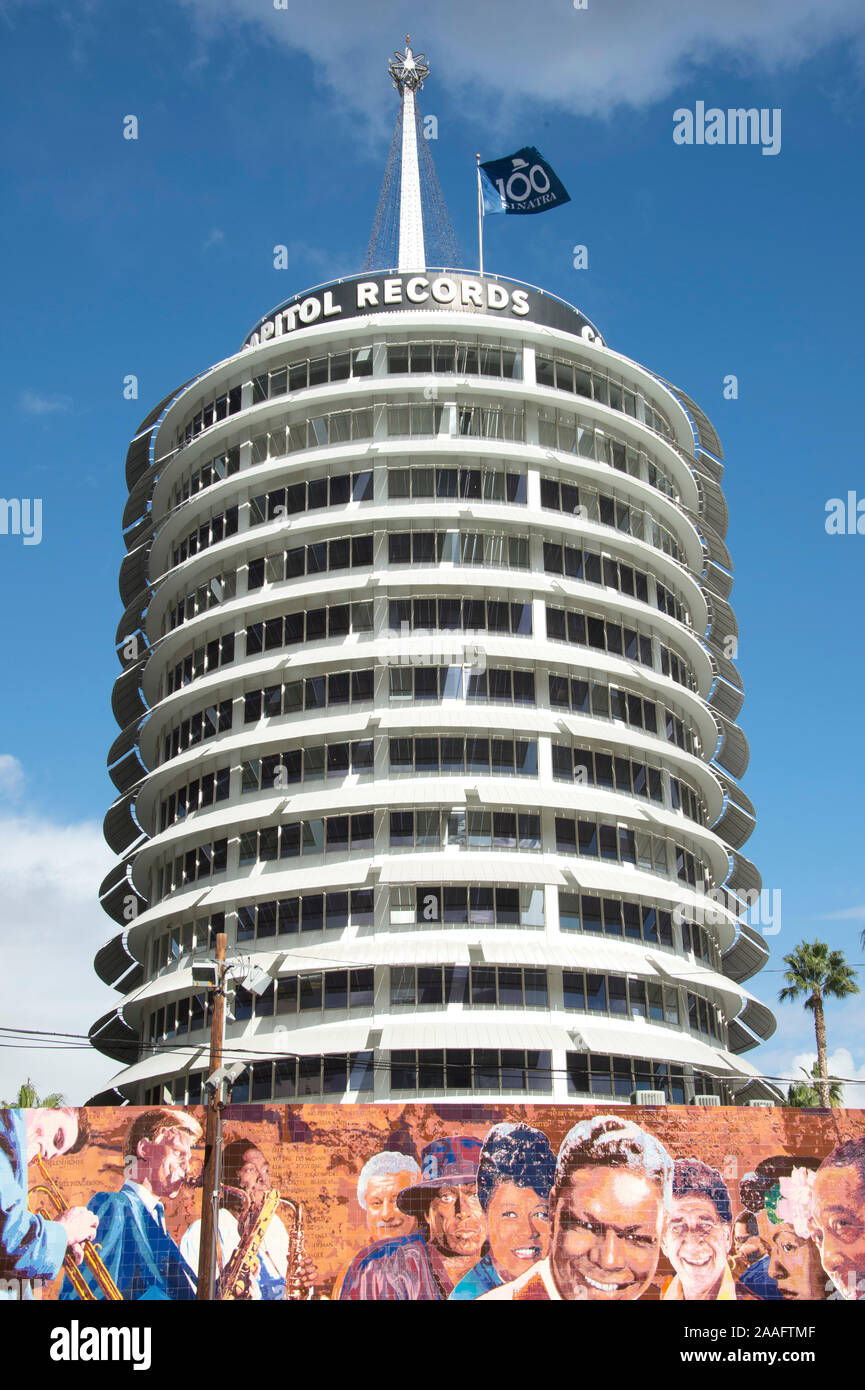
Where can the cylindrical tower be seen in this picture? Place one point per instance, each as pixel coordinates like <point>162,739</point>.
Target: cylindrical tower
<point>427,701</point>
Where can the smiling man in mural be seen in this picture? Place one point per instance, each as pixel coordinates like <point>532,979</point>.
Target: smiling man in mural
<point>451,1231</point>
<point>612,1188</point>
<point>698,1236</point>
<point>31,1246</point>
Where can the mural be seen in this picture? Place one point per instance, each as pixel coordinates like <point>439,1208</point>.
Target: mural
<point>437,1202</point>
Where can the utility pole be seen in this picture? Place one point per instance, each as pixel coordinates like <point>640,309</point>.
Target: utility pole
<point>212,1175</point>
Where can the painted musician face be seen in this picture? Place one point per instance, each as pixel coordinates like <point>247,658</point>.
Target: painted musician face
<point>50,1132</point>
<point>606,1234</point>
<point>794,1264</point>
<point>519,1228</point>
<point>384,1220</point>
<point>163,1163</point>
<point>697,1242</point>
<point>456,1222</point>
<point>839,1217</point>
<point>253,1175</point>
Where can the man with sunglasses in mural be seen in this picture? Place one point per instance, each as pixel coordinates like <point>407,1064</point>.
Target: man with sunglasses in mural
<point>451,1230</point>
<point>612,1189</point>
<point>32,1247</point>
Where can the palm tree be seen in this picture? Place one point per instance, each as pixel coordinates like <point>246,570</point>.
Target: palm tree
<point>28,1099</point>
<point>805,1095</point>
<point>818,973</point>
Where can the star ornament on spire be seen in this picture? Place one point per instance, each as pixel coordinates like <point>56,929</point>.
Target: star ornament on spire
<point>408,69</point>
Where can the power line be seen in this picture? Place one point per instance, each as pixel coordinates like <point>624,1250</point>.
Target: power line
<point>243,1054</point>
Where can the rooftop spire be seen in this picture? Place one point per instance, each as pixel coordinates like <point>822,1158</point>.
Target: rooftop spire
<point>411,211</point>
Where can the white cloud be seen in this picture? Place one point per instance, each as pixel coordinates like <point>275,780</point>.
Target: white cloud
<point>585,61</point>
<point>11,775</point>
<point>215,237</point>
<point>840,1064</point>
<point>50,928</point>
<point>31,403</point>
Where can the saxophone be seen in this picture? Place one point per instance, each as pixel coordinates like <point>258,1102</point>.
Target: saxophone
<point>235,1282</point>
<point>295,1288</point>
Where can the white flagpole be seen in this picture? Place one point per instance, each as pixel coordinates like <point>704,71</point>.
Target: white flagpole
<point>480,219</point>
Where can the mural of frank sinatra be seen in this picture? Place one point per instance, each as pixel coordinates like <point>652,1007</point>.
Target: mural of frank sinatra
<point>451,1231</point>
<point>30,1246</point>
<point>137,1250</point>
<point>613,1186</point>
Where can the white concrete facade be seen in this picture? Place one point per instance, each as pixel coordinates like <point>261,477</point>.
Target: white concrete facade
<point>377,568</point>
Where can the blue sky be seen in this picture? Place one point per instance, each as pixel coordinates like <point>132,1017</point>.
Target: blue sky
<point>260,127</point>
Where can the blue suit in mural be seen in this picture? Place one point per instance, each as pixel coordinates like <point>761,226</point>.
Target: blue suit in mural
<point>137,1250</point>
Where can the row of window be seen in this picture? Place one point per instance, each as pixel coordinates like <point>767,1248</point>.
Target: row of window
<point>204,724</point>
<point>461,1070</point>
<point>496,684</point>
<point>604,701</point>
<point>596,1074</point>
<point>200,792</point>
<point>619,917</point>
<point>344,552</point>
<point>406,421</point>
<point>499,685</point>
<point>560,496</point>
<point>513,987</point>
<point>200,661</point>
<point>475,986</point>
<point>334,490</point>
<point>504,757</point>
<point>219,589</point>
<point>308,764</point>
<point>208,533</point>
<point>437,904</point>
<point>565,625</point>
<point>462,359</point>
<point>456,614</point>
<point>206,474</point>
<point>210,414</point>
<point>618,843</point>
<point>314,692</point>
<point>438,829</point>
<point>572,434</point>
<point>510,987</point>
<point>331,989</point>
<point>569,374</point>
<point>614,773</point>
<point>195,864</point>
<point>312,371</point>
<point>487,482</point>
<point>458,548</point>
<point>309,625</point>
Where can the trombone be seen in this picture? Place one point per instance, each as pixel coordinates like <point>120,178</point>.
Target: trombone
<point>54,1204</point>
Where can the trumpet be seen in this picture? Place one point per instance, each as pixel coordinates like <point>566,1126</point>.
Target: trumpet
<point>54,1204</point>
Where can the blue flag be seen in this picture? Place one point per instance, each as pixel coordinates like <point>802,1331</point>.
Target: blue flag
<point>523,182</point>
